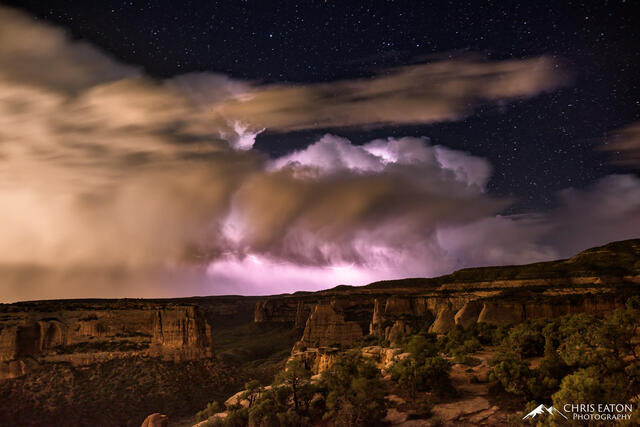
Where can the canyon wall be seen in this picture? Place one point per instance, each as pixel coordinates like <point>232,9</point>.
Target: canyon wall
<point>85,332</point>
<point>343,318</point>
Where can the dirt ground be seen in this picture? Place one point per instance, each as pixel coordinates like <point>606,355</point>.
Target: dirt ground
<point>475,405</point>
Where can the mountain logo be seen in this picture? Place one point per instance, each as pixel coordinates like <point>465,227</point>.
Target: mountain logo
<point>541,409</point>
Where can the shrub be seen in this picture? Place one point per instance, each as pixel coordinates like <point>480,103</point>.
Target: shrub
<point>355,393</point>
<point>422,346</point>
<point>511,371</point>
<point>264,413</point>
<point>253,391</point>
<point>526,339</point>
<point>552,365</point>
<point>591,385</point>
<point>237,418</point>
<point>578,339</point>
<point>404,373</point>
<point>294,376</point>
<point>585,358</point>
<point>471,339</point>
<point>431,375</point>
<point>434,376</point>
<point>211,409</point>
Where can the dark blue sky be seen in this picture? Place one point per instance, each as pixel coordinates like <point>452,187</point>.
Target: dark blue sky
<point>536,146</point>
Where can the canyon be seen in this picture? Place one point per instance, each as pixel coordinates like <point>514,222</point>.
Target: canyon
<point>200,348</point>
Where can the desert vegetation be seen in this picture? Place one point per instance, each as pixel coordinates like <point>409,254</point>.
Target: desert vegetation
<point>350,393</point>
<point>581,358</point>
<point>575,358</point>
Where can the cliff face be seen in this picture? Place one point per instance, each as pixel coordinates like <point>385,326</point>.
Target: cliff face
<point>596,281</point>
<point>294,311</point>
<point>392,317</point>
<point>84,332</point>
<point>325,327</point>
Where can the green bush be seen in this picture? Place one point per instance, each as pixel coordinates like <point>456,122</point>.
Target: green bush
<point>211,409</point>
<point>434,376</point>
<point>253,391</point>
<point>265,412</point>
<point>592,385</point>
<point>422,346</point>
<point>461,341</point>
<point>430,375</point>
<point>585,358</point>
<point>511,371</point>
<point>294,376</point>
<point>237,418</point>
<point>355,393</point>
<point>526,339</point>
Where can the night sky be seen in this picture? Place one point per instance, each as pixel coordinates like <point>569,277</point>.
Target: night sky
<point>537,146</point>
<point>170,148</point>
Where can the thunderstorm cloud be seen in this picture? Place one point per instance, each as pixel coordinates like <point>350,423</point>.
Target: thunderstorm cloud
<point>116,184</point>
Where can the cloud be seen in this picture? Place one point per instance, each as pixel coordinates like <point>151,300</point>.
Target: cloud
<point>498,240</point>
<point>315,204</point>
<point>126,164</point>
<point>115,184</point>
<point>42,55</point>
<point>607,210</point>
<point>423,93</point>
<point>625,146</point>
<point>332,153</point>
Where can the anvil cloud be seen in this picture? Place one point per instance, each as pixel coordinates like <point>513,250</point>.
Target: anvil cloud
<point>116,184</point>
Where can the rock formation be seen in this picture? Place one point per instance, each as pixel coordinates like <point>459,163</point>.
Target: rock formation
<point>444,322</point>
<point>326,328</point>
<point>468,314</point>
<point>85,332</point>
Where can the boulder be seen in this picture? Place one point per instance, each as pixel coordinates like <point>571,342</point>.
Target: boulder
<point>156,420</point>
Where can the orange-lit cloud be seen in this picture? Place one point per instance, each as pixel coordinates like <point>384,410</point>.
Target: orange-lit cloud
<point>422,93</point>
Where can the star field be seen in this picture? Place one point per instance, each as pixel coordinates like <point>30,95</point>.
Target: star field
<point>536,146</point>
